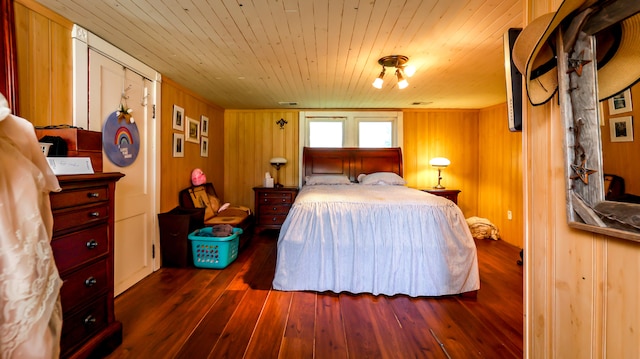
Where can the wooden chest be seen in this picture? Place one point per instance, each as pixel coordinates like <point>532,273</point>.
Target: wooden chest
<point>272,206</point>
<point>83,250</point>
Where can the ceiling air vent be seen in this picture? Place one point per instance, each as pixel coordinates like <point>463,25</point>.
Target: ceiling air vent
<point>418,103</point>
<point>287,103</point>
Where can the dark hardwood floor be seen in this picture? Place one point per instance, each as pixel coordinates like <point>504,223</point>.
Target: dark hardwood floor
<point>233,313</point>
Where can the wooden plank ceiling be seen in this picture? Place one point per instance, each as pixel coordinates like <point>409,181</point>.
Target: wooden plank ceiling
<point>250,54</point>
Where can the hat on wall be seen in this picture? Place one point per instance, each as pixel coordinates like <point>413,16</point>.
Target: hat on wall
<point>532,53</point>
<point>622,70</point>
<point>534,56</point>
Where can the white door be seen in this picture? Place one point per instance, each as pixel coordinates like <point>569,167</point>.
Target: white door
<point>135,202</point>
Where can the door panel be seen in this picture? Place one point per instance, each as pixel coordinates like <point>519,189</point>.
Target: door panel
<point>134,212</point>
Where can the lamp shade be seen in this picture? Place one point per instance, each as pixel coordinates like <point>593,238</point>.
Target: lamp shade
<point>278,161</point>
<point>439,162</point>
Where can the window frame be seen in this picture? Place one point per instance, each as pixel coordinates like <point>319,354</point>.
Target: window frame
<point>351,127</point>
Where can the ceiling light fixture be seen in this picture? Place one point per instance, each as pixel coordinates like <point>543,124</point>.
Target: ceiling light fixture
<point>402,70</point>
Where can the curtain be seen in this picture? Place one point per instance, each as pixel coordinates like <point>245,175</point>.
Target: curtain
<point>8,70</point>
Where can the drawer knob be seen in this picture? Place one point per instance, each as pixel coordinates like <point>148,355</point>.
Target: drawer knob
<point>93,194</point>
<point>274,219</point>
<point>92,244</point>
<point>94,214</point>
<point>275,208</point>
<point>284,200</point>
<point>89,320</point>
<point>90,282</point>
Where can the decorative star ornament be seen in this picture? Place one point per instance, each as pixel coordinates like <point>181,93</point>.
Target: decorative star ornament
<point>124,113</point>
<point>577,64</point>
<point>582,172</point>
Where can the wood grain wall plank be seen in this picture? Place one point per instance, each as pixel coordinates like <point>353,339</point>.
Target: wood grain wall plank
<point>43,41</point>
<point>443,133</point>
<point>176,171</point>
<point>500,174</point>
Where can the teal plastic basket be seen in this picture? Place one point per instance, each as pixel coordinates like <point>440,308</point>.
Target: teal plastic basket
<point>214,252</point>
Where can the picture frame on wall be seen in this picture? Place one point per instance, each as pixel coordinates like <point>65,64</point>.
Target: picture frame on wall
<point>621,129</point>
<point>178,145</point>
<point>204,147</point>
<point>620,103</point>
<point>204,126</point>
<point>193,130</point>
<point>178,118</point>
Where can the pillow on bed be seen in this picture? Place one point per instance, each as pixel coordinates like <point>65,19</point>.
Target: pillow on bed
<point>382,178</point>
<point>327,179</point>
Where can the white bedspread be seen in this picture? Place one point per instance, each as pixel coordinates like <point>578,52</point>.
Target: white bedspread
<point>375,239</point>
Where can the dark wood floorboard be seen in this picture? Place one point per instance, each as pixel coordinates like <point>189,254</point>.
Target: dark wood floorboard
<point>234,313</point>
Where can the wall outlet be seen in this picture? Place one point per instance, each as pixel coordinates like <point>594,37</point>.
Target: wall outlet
<point>509,215</point>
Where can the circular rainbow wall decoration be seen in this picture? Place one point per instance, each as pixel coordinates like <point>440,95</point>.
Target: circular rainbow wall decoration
<point>120,141</point>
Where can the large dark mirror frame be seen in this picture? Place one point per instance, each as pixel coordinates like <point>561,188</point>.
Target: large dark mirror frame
<point>587,208</point>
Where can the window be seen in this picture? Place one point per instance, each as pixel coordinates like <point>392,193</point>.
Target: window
<point>351,129</point>
<point>375,134</point>
<point>326,133</point>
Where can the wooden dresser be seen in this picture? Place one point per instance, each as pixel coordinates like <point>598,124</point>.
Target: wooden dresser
<point>83,250</point>
<point>450,194</point>
<point>272,206</point>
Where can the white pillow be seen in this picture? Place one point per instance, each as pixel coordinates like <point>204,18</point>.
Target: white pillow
<point>361,177</point>
<point>327,179</point>
<point>383,178</point>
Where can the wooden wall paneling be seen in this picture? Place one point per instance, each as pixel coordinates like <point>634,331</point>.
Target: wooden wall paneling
<point>621,314</point>
<point>41,70</point>
<point>617,156</point>
<point>21,18</point>
<point>252,138</point>
<point>500,174</point>
<point>43,42</point>
<point>582,289</point>
<point>176,171</point>
<point>61,74</point>
<point>443,133</point>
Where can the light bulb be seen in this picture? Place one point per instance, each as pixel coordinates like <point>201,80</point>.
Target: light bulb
<point>409,70</point>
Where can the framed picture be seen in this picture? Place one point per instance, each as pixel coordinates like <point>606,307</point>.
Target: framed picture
<point>178,145</point>
<point>621,129</point>
<point>178,118</point>
<point>204,147</point>
<point>193,130</point>
<point>204,125</point>
<point>620,103</point>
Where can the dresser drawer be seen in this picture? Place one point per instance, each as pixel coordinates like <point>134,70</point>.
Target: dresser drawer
<point>275,209</point>
<point>272,206</point>
<point>83,216</point>
<point>278,196</point>
<point>80,325</point>
<point>276,219</point>
<point>83,285</point>
<point>79,197</point>
<point>80,247</point>
<point>276,200</point>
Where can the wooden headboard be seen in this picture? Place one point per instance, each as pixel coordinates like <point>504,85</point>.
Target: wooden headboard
<point>351,161</point>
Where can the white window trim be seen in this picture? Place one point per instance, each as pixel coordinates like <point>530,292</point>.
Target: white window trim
<point>351,119</point>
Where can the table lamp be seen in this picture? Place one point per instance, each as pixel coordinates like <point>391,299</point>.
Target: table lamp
<point>440,163</point>
<point>278,162</point>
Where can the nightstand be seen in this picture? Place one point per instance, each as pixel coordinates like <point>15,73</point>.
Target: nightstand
<point>272,206</point>
<point>450,194</point>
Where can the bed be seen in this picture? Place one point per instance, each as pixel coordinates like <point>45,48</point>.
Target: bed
<point>363,238</point>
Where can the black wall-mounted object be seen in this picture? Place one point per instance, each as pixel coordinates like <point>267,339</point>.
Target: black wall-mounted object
<point>513,81</point>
